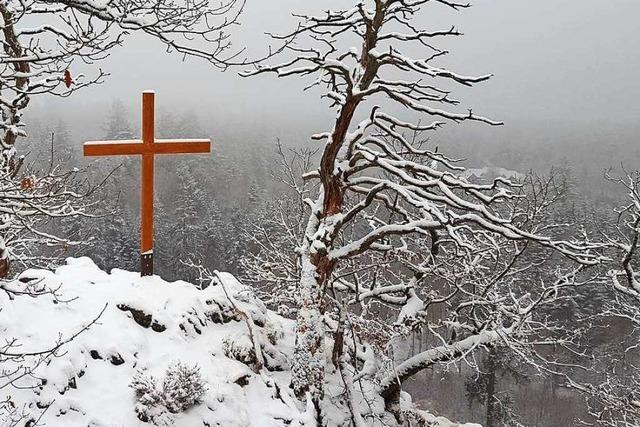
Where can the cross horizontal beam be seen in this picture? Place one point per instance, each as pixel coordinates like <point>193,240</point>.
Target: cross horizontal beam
<point>136,146</point>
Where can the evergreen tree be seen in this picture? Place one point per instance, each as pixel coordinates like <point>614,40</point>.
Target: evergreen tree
<point>117,125</point>
<point>485,386</point>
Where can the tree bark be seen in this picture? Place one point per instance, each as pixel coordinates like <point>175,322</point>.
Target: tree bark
<point>309,355</point>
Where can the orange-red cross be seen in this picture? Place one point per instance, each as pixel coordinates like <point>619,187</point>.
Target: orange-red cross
<point>148,147</point>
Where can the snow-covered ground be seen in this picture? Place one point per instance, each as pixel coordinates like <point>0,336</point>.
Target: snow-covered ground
<point>146,324</point>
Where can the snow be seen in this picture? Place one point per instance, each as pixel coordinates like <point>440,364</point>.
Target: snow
<point>443,422</point>
<point>445,351</point>
<point>412,307</point>
<point>148,324</point>
<point>102,396</point>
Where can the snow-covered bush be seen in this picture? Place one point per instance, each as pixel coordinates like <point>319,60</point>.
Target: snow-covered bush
<point>240,348</point>
<point>181,388</point>
<point>150,406</point>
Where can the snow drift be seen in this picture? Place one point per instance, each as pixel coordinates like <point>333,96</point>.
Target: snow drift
<point>140,327</point>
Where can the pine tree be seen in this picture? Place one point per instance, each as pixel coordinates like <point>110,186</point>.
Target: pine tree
<point>117,125</point>
<point>485,386</point>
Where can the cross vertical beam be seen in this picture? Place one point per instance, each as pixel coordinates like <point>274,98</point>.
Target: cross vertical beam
<point>146,196</point>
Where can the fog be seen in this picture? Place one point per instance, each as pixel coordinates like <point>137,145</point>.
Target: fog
<point>564,83</point>
<point>559,65</point>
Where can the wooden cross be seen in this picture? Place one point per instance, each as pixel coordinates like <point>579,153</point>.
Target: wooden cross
<point>148,147</point>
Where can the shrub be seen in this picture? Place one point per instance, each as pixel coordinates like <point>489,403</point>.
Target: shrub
<point>181,388</point>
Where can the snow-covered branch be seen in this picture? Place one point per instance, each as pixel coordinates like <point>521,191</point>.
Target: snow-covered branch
<point>396,228</point>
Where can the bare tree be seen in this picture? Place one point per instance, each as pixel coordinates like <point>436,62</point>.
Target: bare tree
<point>615,399</point>
<point>273,265</point>
<point>391,213</point>
<point>43,40</point>
<point>43,43</point>
<point>19,367</point>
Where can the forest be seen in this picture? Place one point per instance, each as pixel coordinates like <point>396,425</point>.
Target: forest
<point>398,259</point>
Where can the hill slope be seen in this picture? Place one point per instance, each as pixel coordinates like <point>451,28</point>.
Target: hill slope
<point>145,326</point>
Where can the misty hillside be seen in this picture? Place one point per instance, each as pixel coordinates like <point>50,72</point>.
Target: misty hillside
<point>365,213</point>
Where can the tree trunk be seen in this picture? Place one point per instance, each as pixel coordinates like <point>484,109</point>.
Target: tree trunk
<point>338,344</point>
<point>5,264</point>
<point>491,402</point>
<point>309,355</point>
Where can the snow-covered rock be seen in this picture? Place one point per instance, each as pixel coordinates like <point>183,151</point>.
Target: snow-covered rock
<point>145,324</point>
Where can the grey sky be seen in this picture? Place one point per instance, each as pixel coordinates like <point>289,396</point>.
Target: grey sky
<point>573,61</point>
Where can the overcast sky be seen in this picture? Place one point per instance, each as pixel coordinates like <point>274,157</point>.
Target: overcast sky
<point>573,61</point>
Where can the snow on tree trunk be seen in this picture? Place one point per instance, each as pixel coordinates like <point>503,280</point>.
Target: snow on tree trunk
<point>309,356</point>
<point>308,361</point>
<point>4,258</point>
